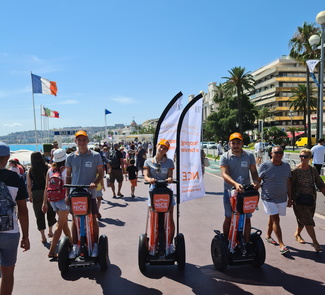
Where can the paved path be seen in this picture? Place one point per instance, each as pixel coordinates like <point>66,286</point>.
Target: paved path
<point>123,220</point>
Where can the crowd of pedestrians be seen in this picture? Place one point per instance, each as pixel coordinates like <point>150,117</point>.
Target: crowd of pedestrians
<point>75,166</point>
<point>280,188</point>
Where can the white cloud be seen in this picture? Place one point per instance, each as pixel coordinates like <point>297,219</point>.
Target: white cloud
<point>68,101</point>
<point>124,100</point>
<point>12,125</point>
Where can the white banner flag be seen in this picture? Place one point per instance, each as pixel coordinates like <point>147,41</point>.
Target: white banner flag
<point>191,180</point>
<point>168,128</point>
<point>312,63</point>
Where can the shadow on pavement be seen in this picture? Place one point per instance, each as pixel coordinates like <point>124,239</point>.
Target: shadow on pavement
<point>199,281</point>
<point>214,193</point>
<point>204,279</point>
<point>110,281</point>
<point>309,253</point>
<point>116,222</point>
<point>267,275</point>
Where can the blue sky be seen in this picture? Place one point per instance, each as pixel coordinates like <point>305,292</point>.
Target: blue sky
<point>131,57</point>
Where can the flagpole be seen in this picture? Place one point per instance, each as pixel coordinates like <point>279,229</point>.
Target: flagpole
<point>178,153</point>
<point>34,114</point>
<point>106,135</point>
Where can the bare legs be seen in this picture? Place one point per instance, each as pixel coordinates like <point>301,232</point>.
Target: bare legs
<point>274,226</point>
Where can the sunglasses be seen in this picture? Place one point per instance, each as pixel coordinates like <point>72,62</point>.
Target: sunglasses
<point>158,169</point>
<point>303,156</point>
<point>278,153</point>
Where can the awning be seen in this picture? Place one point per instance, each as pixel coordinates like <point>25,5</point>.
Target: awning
<point>296,133</point>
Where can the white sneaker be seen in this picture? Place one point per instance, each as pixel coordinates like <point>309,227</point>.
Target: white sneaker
<point>74,251</point>
<point>95,250</point>
<point>171,249</point>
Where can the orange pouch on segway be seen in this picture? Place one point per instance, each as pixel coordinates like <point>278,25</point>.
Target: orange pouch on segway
<point>247,202</point>
<point>161,199</point>
<point>80,202</point>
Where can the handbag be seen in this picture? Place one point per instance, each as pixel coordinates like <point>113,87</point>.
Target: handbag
<point>305,200</point>
<point>206,162</point>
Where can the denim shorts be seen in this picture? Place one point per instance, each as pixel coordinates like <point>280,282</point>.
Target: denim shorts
<point>60,206</point>
<point>227,206</point>
<point>8,248</point>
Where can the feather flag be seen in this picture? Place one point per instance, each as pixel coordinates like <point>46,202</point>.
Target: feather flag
<point>44,86</point>
<point>48,113</point>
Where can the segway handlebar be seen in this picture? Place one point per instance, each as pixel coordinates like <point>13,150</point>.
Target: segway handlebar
<point>77,185</point>
<point>161,181</point>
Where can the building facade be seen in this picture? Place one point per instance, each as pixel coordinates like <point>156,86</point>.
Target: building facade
<point>273,89</point>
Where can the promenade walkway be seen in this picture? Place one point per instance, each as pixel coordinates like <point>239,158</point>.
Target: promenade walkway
<point>124,220</point>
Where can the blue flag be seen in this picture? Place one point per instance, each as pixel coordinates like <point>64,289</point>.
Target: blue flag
<point>107,112</point>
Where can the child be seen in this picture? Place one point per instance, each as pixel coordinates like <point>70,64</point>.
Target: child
<point>133,175</point>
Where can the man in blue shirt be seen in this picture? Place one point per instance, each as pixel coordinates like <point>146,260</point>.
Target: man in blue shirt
<point>236,166</point>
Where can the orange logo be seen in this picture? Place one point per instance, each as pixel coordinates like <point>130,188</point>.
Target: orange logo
<point>161,202</point>
<point>79,205</point>
<point>250,204</point>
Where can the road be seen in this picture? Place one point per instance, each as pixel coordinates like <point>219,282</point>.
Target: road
<point>124,220</point>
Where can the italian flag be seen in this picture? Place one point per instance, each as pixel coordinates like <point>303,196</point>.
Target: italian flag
<point>48,113</point>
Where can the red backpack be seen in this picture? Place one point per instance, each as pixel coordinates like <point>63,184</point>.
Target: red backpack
<point>55,189</point>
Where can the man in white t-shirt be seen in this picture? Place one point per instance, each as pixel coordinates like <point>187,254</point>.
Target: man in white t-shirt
<point>258,151</point>
<point>318,152</point>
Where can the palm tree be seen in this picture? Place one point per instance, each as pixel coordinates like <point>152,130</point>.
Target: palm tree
<point>293,131</point>
<point>239,81</point>
<point>264,113</point>
<point>300,47</point>
<point>302,50</point>
<point>299,101</point>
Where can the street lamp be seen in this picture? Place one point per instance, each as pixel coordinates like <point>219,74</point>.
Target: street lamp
<point>314,40</point>
<point>291,114</point>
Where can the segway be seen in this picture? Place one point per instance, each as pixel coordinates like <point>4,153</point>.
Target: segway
<point>154,249</point>
<point>233,250</point>
<point>81,201</point>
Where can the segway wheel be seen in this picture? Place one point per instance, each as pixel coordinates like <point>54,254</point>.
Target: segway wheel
<point>219,253</point>
<point>180,251</point>
<point>103,252</point>
<point>142,252</point>
<point>259,250</point>
<point>63,258</point>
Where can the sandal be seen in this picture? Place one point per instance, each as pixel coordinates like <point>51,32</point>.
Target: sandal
<point>299,239</point>
<point>120,195</point>
<point>52,255</point>
<point>317,247</point>
<point>284,250</point>
<point>271,241</point>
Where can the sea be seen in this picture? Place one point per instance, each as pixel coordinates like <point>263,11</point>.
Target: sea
<point>30,147</point>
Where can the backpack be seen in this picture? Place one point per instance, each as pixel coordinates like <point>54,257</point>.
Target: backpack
<point>6,208</point>
<point>113,160</point>
<point>55,189</point>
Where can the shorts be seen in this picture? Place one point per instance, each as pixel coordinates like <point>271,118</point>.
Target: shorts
<point>9,248</point>
<point>99,194</point>
<point>259,154</point>
<point>227,205</point>
<point>271,208</point>
<point>60,206</point>
<point>116,174</point>
<point>133,182</point>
